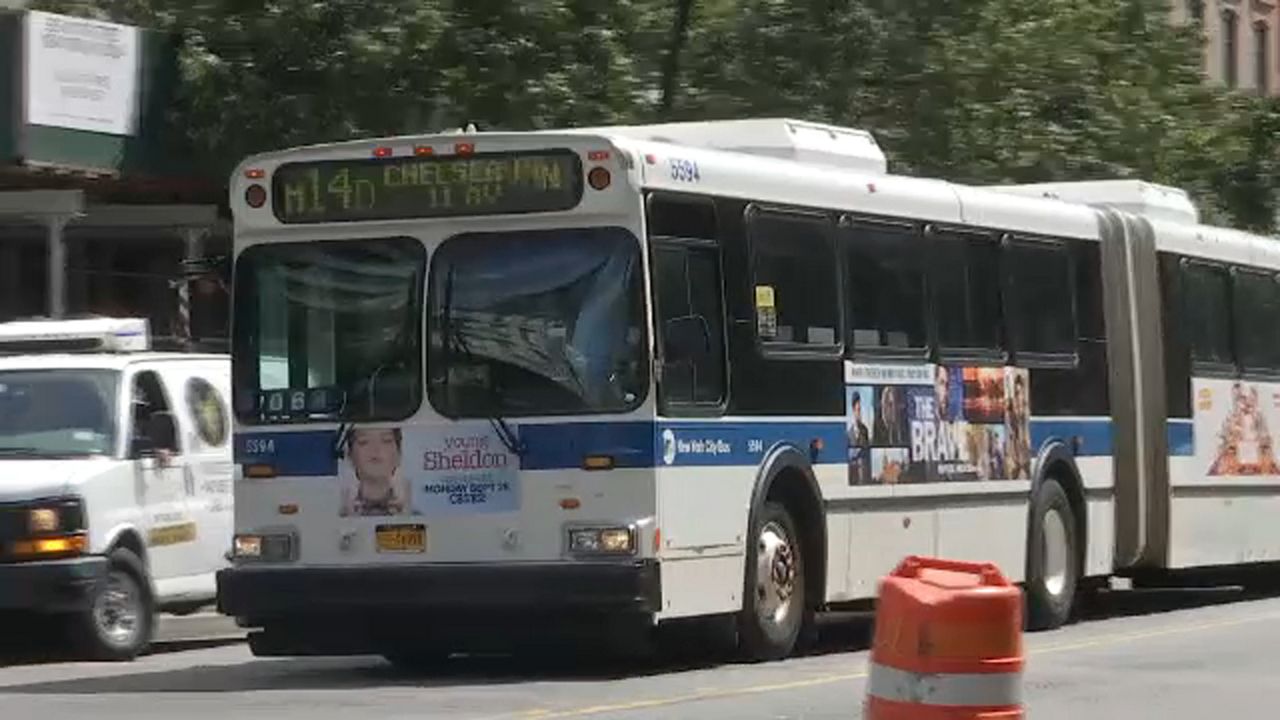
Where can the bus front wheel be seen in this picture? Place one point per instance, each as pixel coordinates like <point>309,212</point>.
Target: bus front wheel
<point>774,606</point>
<point>1053,569</point>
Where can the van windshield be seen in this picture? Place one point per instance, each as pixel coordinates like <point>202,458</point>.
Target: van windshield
<point>57,413</point>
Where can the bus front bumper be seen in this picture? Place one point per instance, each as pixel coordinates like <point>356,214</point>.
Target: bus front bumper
<point>258,593</point>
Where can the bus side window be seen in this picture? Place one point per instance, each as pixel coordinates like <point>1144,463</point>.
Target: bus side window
<point>1041,304</point>
<point>965,277</point>
<point>689,310</point>
<point>885,284</point>
<point>1206,312</point>
<point>794,280</point>
<point>1257,305</point>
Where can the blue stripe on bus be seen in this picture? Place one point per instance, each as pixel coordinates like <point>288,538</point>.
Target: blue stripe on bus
<point>1097,439</point>
<point>564,445</point>
<point>646,444</point>
<point>309,452</point>
<point>559,446</point>
<point>1094,433</point>
<point>710,443</point>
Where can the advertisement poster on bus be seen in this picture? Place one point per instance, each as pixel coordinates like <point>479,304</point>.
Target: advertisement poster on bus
<point>1233,421</point>
<point>463,470</point>
<point>936,423</point>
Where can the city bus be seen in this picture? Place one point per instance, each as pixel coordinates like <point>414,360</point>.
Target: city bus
<point>720,372</point>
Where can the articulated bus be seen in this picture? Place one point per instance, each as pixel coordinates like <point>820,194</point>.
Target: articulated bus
<point>726,371</point>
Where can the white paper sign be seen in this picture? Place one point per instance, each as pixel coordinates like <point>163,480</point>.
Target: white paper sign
<point>463,470</point>
<point>81,74</point>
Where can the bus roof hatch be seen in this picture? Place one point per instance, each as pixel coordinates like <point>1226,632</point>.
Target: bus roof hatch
<point>797,140</point>
<point>1135,196</point>
<point>89,335</point>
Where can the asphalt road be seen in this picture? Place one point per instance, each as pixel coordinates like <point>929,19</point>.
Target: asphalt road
<point>1170,655</point>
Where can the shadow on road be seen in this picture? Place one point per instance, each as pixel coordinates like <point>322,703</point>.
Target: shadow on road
<point>840,633</point>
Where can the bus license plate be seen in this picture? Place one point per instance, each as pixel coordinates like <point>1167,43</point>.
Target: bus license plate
<point>402,538</point>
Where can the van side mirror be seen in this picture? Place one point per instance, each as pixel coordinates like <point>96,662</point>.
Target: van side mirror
<point>686,338</point>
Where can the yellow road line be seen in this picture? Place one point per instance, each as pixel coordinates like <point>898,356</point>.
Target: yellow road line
<point>543,714</point>
<point>693,697</point>
<point>1161,632</point>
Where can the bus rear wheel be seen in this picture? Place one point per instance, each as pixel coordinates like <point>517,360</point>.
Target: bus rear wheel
<point>774,606</point>
<point>1053,567</point>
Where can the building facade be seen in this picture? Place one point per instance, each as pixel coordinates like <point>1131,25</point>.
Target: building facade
<point>100,211</point>
<point>1242,41</point>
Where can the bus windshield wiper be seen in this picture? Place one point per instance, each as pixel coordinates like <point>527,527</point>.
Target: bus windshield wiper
<point>455,340</point>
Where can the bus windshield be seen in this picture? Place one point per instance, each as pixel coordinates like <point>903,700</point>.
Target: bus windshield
<point>537,323</point>
<point>330,328</point>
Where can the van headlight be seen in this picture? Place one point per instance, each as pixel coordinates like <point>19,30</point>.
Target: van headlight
<point>57,516</point>
<point>602,540</point>
<point>54,528</point>
<point>42,521</point>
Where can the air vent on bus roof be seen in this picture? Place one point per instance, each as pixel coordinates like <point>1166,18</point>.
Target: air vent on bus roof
<point>1135,196</point>
<point>781,138</point>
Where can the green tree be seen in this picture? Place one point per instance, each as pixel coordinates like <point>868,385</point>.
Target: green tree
<point>979,91</point>
<point>265,75</point>
<point>996,91</point>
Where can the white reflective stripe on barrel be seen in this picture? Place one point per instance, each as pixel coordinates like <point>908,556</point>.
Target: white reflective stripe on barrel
<point>959,689</point>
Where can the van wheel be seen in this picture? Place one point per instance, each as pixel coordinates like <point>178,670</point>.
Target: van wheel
<point>121,617</point>
<point>774,605</point>
<point>1052,559</point>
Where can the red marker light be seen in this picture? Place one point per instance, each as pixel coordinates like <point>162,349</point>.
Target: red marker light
<point>598,155</point>
<point>255,174</point>
<point>599,178</point>
<point>255,196</point>
<point>421,150</point>
<point>464,148</point>
<point>651,159</point>
<point>382,152</point>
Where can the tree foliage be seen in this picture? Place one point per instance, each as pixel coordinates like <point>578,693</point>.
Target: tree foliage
<point>980,91</point>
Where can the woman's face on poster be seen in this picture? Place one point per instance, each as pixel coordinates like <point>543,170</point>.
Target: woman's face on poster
<point>375,454</point>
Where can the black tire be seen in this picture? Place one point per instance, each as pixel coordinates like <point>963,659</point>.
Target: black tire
<point>416,660</point>
<point>1053,558</point>
<point>185,609</point>
<point>766,632</point>
<point>120,619</point>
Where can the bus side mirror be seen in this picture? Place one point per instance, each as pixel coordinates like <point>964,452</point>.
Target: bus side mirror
<point>686,339</point>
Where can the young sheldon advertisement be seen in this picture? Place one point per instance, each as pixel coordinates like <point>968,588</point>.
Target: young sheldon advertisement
<point>428,472</point>
<point>937,423</point>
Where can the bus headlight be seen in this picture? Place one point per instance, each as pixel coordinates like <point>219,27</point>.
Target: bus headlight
<point>602,541</point>
<point>269,547</point>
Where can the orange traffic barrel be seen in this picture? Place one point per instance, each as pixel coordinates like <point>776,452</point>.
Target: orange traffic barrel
<point>948,644</point>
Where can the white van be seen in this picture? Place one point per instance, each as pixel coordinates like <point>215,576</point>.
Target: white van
<point>115,478</point>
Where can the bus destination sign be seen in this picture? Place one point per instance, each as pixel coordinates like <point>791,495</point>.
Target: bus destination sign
<point>427,186</point>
